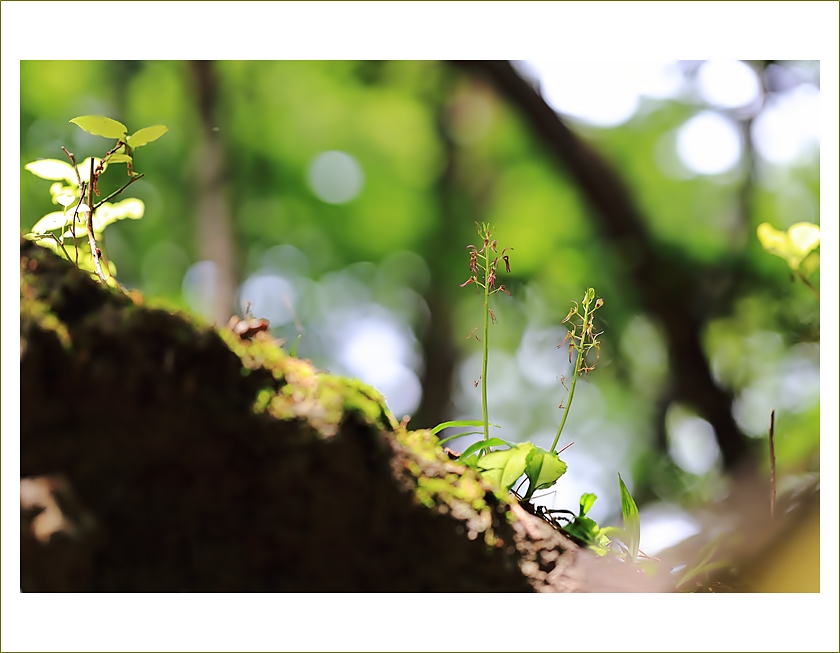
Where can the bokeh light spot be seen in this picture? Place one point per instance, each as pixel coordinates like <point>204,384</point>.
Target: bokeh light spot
<point>709,144</point>
<point>335,177</point>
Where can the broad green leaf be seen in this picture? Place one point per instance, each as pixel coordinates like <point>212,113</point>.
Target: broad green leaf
<point>543,470</point>
<point>505,467</point>
<point>632,525</point>
<point>101,126</point>
<point>587,500</point>
<point>792,245</point>
<point>146,135</point>
<point>54,220</point>
<point>52,169</point>
<point>584,529</point>
<point>119,158</point>
<point>476,446</point>
<point>108,213</point>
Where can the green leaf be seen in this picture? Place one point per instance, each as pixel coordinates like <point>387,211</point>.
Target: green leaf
<point>587,500</point>
<point>472,461</point>
<point>793,245</point>
<point>632,525</point>
<point>64,195</point>
<point>108,213</point>
<point>52,169</point>
<point>543,469</point>
<point>119,158</point>
<point>101,126</point>
<point>477,446</point>
<point>146,135</point>
<point>54,220</point>
<point>463,422</point>
<point>505,467</point>
<point>584,529</point>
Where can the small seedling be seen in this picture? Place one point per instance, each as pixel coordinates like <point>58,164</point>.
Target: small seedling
<point>76,186</point>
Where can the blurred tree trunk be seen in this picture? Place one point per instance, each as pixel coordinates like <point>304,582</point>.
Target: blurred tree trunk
<point>213,232</point>
<point>664,288</point>
<point>439,350</point>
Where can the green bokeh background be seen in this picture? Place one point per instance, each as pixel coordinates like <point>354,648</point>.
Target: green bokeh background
<point>440,150</point>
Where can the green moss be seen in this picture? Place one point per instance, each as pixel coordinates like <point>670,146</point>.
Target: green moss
<point>33,311</point>
<point>450,488</point>
<point>303,392</point>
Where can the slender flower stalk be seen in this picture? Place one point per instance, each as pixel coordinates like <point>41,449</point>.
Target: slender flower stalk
<point>580,344</point>
<point>482,261</point>
<point>486,349</point>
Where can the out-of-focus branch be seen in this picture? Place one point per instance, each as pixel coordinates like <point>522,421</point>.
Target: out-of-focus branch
<point>439,350</point>
<point>663,288</point>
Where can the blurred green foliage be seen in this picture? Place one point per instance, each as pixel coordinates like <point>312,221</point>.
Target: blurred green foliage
<point>439,151</point>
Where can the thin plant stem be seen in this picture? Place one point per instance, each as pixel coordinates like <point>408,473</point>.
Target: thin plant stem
<point>808,283</point>
<point>60,244</point>
<point>91,238</point>
<point>578,361</point>
<point>119,190</point>
<point>486,347</point>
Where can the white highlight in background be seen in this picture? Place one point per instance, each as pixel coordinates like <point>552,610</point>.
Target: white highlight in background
<point>335,177</point>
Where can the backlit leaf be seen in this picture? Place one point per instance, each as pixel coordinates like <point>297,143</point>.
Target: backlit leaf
<point>52,169</point>
<point>146,135</point>
<point>543,470</point>
<point>505,467</point>
<point>587,500</point>
<point>792,245</point>
<point>54,220</point>
<point>101,126</point>
<point>632,525</point>
<point>119,158</point>
<point>584,529</point>
<point>108,213</point>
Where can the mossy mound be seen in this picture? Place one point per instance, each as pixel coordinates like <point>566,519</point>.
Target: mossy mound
<point>199,461</point>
